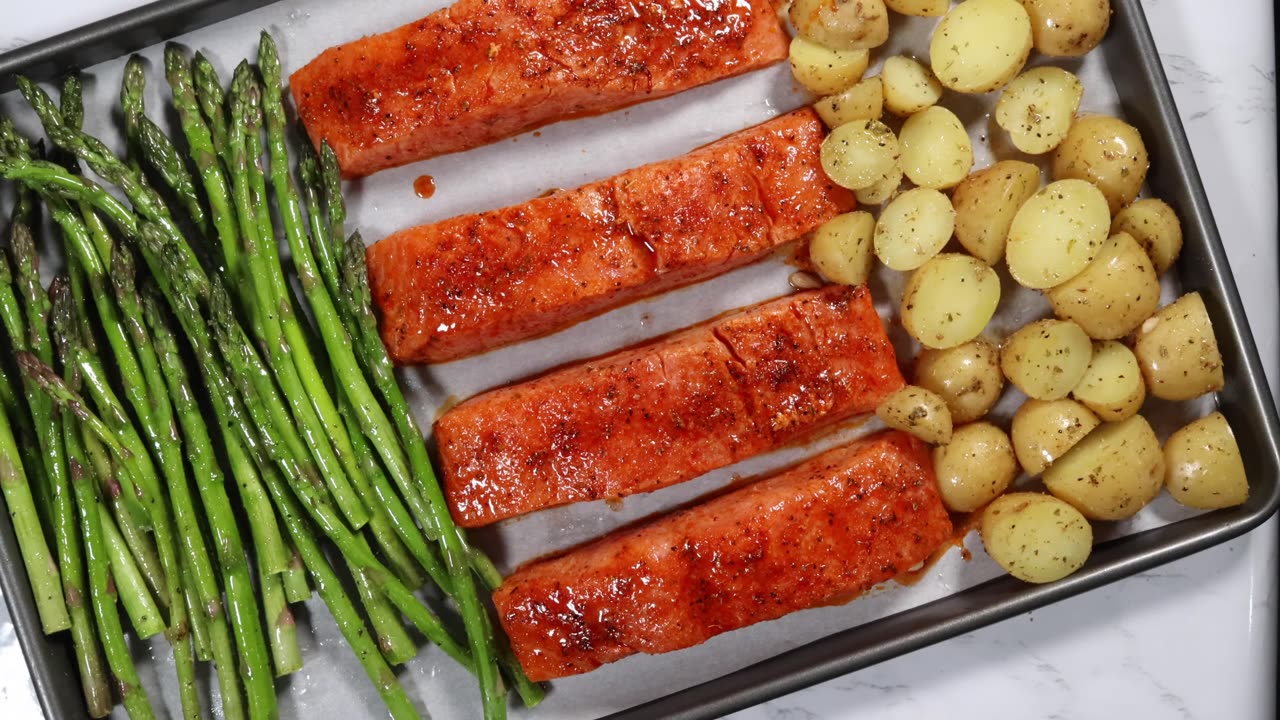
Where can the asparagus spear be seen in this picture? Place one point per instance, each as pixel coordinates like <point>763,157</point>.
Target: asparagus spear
<point>141,608</point>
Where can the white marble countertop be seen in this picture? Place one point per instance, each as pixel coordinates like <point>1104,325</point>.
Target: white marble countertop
<point>1194,639</point>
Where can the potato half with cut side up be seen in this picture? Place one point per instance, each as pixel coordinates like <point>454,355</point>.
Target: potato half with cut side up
<point>1037,108</point>
<point>1111,474</point>
<point>1036,538</point>
<point>863,101</point>
<point>936,149</point>
<point>1156,228</point>
<point>975,467</point>
<point>986,203</point>
<point>1044,430</point>
<point>859,153</point>
<point>1046,358</point>
<point>909,87</point>
<point>1114,294</point>
<point>1112,386</point>
<point>1177,350</point>
<point>841,248</point>
<point>949,300</point>
<point>1107,152</point>
<point>966,376</point>
<point>912,409</point>
<point>1068,28</point>
<point>980,45</point>
<point>824,71</point>
<point>841,24</point>
<point>1203,467</point>
<point>1056,233</point>
<point>913,227</point>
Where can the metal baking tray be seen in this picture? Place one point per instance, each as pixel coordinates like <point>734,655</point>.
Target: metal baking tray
<point>1145,101</point>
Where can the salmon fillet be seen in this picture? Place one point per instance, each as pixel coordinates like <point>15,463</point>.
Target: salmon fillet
<point>667,411</point>
<point>476,282</point>
<point>828,529</point>
<point>483,70</point>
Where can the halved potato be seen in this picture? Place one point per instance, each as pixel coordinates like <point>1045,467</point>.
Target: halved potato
<point>841,24</point>
<point>863,101</point>
<point>980,45</point>
<point>936,149</point>
<point>859,153</point>
<point>1046,358</point>
<point>909,87</point>
<point>1056,233</point>
<point>976,466</point>
<point>1068,28</point>
<point>949,300</point>
<point>1203,467</point>
<point>1044,430</point>
<point>1156,228</point>
<point>913,227</point>
<point>1112,386</point>
<point>1114,293</point>
<point>919,8</point>
<point>912,409</point>
<point>1037,108</point>
<point>841,247</point>
<point>1177,350</point>
<point>966,376</point>
<point>824,71</point>
<point>1107,152</point>
<point>1113,473</point>
<point>986,202</point>
<point>1036,538</point>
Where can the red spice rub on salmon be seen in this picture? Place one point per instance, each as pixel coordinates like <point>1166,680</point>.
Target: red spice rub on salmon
<point>661,413</point>
<point>483,70</point>
<point>832,527</point>
<point>476,282</point>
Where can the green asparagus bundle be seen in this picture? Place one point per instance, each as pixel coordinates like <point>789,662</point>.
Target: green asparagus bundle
<point>175,353</point>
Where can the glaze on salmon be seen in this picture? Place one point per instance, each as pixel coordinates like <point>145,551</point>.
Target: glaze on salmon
<point>476,282</point>
<point>483,70</point>
<point>828,529</point>
<point>667,411</point>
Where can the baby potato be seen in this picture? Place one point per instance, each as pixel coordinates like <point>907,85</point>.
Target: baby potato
<point>975,467</point>
<point>1046,358</point>
<point>913,227</point>
<point>1156,228</point>
<point>824,71</point>
<point>841,247</point>
<point>841,24</point>
<point>919,8</point>
<point>1107,152</point>
<point>949,300</point>
<point>966,376</point>
<point>1113,294</point>
<point>1111,474</point>
<point>1068,28</point>
<point>1044,430</point>
<point>980,45</point>
<point>1112,386</point>
<point>909,87</point>
<point>985,203</point>
<point>1037,108</point>
<point>1056,233</point>
<point>1178,351</point>
<point>1036,538</point>
<point>936,150</point>
<point>863,101</point>
<point>1203,467</point>
<point>917,411</point>
<point>884,189</point>
<point>859,153</point>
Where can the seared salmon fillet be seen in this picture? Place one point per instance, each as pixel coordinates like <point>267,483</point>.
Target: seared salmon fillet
<point>476,282</point>
<point>825,530</point>
<point>667,411</point>
<point>483,70</point>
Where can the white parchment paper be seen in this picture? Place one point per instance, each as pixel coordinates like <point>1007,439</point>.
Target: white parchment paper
<point>562,156</point>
